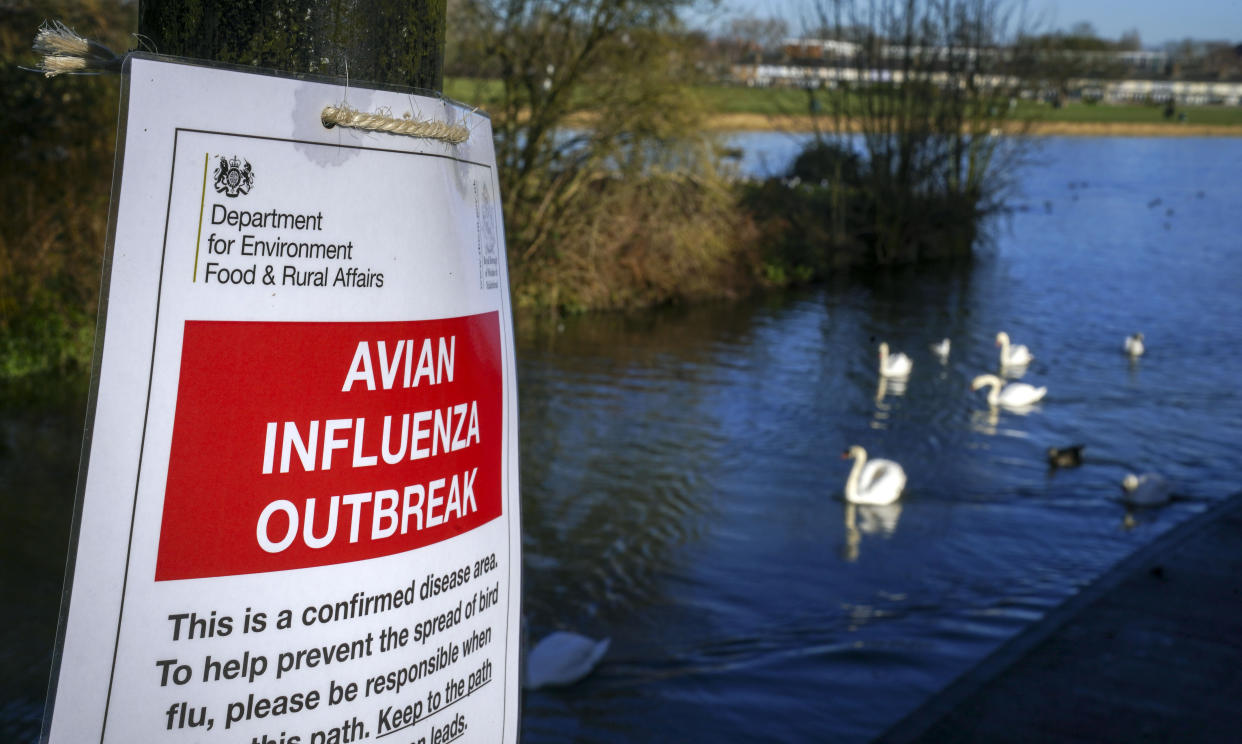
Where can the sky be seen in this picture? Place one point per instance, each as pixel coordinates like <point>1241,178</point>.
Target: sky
<point>1157,21</point>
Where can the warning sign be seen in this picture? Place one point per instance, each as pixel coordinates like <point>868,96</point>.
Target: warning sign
<point>298,514</point>
<point>381,438</point>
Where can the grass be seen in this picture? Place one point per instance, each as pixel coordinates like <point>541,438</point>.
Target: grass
<point>476,92</point>
<point>741,100</point>
<point>1109,113</point>
<point>725,99</point>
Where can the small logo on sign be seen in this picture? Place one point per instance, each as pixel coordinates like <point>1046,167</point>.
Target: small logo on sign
<point>234,176</point>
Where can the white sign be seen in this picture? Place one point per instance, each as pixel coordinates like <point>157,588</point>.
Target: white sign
<point>298,522</point>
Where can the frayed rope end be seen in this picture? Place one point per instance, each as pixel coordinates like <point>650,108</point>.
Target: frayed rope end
<point>52,66</point>
<point>66,52</point>
<point>55,38</point>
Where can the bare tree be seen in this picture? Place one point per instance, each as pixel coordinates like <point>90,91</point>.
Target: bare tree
<point>590,89</point>
<point>755,38</point>
<point>929,92</point>
<point>608,174</point>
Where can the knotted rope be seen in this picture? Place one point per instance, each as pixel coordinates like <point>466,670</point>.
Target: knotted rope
<point>66,53</point>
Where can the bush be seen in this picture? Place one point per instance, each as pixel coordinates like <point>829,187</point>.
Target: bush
<point>637,242</point>
<point>57,137</point>
<point>906,166</point>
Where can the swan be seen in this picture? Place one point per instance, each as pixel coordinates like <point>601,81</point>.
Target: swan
<point>1134,345</point>
<point>1149,489</point>
<point>876,482</point>
<point>563,658</point>
<point>941,349</point>
<point>1012,356</point>
<point>897,365</point>
<point>1015,394</point>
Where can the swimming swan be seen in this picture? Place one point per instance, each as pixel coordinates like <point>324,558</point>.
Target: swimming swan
<point>872,482</point>
<point>897,365</point>
<point>1014,395</point>
<point>1149,489</point>
<point>1012,356</point>
<point>563,658</point>
<point>1134,345</point>
<point>941,349</point>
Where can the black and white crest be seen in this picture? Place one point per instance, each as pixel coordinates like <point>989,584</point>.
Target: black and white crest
<point>234,176</point>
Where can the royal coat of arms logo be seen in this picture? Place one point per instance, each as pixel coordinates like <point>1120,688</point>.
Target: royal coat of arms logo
<point>234,176</point>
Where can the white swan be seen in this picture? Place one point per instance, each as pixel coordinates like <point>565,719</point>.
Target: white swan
<point>941,349</point>
<point>1149,489</point>
<point>897,365</point>
<point>1012,356</point>
<point>872,482</point>
<point>1134,345</point>
<point>1014,395</point>
<point>563,658</point>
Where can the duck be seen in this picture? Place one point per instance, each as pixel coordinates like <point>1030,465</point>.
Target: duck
<point>562,658</point>
<point>896,365</point>
<point>1149,489</point>
<point>1015,394</point>
<point>1065,457</point>
<point>877,482</point>
<point>1134,345</point>
<point>941,349</point>
<point>1012,356</point>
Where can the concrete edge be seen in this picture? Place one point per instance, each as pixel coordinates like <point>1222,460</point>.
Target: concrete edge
<point>919,721</point>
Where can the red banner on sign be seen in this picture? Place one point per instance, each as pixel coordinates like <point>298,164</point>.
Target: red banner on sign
<point>307,444</point>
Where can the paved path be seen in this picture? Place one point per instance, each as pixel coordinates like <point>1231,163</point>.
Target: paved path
<point>1151,652</point>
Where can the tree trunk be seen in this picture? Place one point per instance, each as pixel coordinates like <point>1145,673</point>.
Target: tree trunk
<point>395,42</point>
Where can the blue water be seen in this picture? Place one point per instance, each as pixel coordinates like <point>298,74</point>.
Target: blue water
<point>683,482</point>
<point>682,478</point>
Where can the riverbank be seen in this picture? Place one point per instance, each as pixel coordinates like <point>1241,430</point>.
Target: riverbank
<point>754,122</point>
<point>738,108</point>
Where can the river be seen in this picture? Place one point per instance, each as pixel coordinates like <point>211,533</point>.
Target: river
<point>682,479</point>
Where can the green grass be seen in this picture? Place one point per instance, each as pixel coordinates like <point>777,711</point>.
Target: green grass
<point>476,92</point>
<point>742,100</point>
<point>725,99</point>
<point>1107,113</point>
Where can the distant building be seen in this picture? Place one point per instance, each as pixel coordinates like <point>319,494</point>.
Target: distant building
<point>1191,92</point>
<point>1117,76</point>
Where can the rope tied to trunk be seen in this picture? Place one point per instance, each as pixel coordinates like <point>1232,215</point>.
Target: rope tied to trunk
<point>408,125</point>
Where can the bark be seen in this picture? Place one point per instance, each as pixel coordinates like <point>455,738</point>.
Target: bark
<point>395,42</point>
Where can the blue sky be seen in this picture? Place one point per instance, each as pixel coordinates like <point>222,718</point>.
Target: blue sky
<point>1157,20</point>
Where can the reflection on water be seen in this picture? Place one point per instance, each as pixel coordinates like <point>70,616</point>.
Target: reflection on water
<point>867,519</point>
<point>895,386</point>
<point>1013,371</point>
<point>886,386</point>
<point>682,488</point>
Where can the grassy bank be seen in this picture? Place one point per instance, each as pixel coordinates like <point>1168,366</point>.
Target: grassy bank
<point>785,109</point>
<point>725,100</point>
<point>743,122</point>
